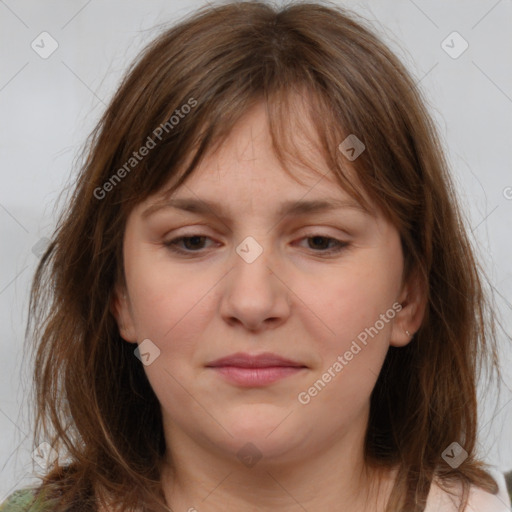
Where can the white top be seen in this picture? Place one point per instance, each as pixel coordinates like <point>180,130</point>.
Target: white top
<point>479,500</point>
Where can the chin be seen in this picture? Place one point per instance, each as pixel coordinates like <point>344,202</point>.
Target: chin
<point>273,440</point>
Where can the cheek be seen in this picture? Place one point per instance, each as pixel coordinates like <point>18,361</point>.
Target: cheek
<point>168,303</point>
<point>173,309</point>
<point>349,300</point>
<point>350,312</point>
<point>351,340</point>
<point>369,287</point>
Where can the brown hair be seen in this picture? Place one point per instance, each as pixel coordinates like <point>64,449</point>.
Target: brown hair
<point>93,400</point>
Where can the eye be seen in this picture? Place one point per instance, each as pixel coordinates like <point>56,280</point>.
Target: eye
<point>322,242</point>
<point>191,243</point>
<point>194,243</point>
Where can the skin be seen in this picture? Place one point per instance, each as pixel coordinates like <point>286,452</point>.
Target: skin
<point>293,300</point>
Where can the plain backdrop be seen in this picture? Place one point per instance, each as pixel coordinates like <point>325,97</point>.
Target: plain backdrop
<point>49,105</point>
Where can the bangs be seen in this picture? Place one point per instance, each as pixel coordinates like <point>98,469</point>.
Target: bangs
<point>300,122</point>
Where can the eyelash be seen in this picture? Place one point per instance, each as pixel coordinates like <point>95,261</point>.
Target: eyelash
<point>172,244</point>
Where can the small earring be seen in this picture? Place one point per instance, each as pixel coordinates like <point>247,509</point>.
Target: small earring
<point>408,333</point>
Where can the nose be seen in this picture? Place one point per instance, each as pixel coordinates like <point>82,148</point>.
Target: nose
<point>255,293</point>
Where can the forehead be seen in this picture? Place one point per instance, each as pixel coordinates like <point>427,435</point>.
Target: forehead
<point>246,167</point>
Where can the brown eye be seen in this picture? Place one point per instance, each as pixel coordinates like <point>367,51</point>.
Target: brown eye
<point>325,244</point>
<point>191,243</point>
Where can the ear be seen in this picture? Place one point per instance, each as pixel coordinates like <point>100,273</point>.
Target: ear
<point>120,307</point>
<point>413,299</point>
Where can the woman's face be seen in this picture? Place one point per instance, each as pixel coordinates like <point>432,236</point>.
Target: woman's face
<point>319,286</point>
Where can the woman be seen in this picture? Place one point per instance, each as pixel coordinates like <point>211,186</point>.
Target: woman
<point>262,295</point>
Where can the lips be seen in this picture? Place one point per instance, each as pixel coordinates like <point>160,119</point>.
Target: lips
<point>265,360</point>
<point>255,371</point>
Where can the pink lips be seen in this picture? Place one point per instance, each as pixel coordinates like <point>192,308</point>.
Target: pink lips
<point>253,371</point>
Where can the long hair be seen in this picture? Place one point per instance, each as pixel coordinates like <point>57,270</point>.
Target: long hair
<point>180,99</point>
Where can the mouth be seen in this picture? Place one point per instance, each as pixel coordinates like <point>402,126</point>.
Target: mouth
<point>255,370</point>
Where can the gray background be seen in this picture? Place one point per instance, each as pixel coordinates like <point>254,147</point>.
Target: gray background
<point>48,106</point>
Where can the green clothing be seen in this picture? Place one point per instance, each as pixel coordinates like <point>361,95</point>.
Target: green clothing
<point>22,500</point>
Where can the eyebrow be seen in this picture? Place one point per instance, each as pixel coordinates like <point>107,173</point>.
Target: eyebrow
<point>205,207</point>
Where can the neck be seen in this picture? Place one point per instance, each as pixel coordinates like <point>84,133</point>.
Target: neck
<point>335,478</point>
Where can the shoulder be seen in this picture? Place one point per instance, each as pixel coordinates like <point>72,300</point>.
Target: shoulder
<point>18,501</point>
<point>440,500</point>
<point>23,500</point>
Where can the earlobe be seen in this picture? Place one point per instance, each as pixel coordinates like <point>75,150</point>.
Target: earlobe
<point>405,325</point>
<point>408,320</point>
<point>120,309</point>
